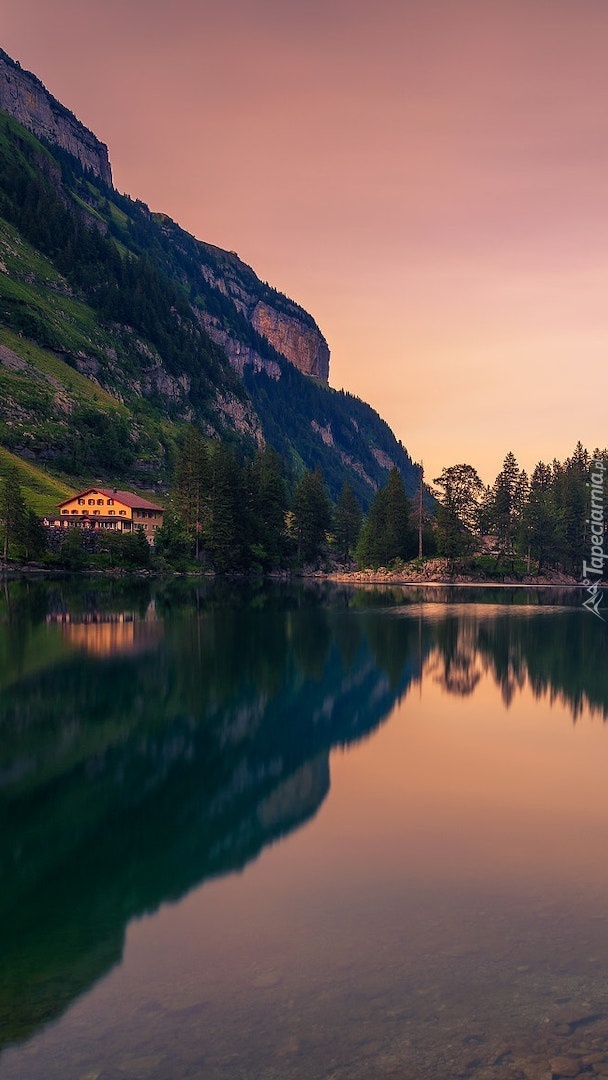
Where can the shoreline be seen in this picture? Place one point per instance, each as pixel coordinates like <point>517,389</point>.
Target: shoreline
<point>443,583</point>
<point>435,573</point>
<point>354,578</point>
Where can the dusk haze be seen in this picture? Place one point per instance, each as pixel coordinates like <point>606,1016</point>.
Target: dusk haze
<point>303,540</point>
<point>429,180</point>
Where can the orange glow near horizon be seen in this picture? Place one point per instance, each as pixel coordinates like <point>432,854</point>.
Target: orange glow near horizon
<point>429,181</point>
<point>478,791</point>
<point>449,798</point>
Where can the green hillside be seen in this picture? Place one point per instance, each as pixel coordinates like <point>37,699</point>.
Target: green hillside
<point>41,491</point>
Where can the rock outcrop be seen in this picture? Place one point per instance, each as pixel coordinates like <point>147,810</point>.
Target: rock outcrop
<point>25,98</point>
<point>302,344</point>
<point>291,331</point>
<point>238,352</point>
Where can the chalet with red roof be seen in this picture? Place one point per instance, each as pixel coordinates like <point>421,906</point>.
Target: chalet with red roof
<point>108,508</point>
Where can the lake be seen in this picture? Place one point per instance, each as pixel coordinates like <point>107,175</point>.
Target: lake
<point>308,831</point>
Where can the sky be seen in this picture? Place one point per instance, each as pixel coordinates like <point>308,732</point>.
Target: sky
<point>429,180</point>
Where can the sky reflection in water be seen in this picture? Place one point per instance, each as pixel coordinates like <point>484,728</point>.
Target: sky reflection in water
<point>441,911</point>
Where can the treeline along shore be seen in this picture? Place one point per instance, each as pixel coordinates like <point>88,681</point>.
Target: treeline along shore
<point>250,515</point>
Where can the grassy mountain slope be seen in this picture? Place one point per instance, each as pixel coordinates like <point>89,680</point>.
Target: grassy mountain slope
<point>41,490</point>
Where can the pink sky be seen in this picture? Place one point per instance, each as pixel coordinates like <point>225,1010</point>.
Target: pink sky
<point>429,180</point>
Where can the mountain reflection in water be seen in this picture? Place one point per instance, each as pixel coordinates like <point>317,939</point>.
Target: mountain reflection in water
<point>155,737</point>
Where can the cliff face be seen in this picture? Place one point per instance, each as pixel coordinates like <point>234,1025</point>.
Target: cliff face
<point>239,353</point>
<point>290,330</point>
<point>25,98</point>
<point>303,345</point>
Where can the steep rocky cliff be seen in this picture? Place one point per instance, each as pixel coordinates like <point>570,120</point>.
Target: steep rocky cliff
<point>304,345</point>
<point>289,329</point>
<point>24,97</point>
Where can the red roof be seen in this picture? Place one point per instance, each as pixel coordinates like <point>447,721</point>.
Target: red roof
<point>127,498</point>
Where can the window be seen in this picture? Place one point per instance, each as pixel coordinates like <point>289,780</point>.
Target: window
<point>91,502</point>
<point>76,511</point>
<point>100,502</point>
<point>111,512</point>
<point>65,511</point>
<point>81,502</point>
<point>122,513</point>
<point>110,502</point>
<point>96,512</point>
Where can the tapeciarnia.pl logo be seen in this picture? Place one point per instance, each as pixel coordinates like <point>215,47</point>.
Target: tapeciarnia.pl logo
<point>596,523</point>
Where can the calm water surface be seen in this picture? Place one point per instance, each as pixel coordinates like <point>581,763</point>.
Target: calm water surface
<point>301,833</point>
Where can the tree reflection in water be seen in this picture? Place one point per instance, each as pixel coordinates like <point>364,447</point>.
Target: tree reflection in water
<point>156,736</point>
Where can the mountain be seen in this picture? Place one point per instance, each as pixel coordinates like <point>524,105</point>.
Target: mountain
<point>118,328</point>
<point>23,96</point>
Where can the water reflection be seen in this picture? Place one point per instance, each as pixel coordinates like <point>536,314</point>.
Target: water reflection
<point>108,633</point>
<point>562,658</point>
<point>154,738</point>
<point>128,775</point>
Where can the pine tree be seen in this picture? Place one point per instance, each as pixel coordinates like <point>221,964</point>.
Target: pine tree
<point>540,519</point>
<point>571,496</point>
<point>268,507</point>
<point>13,512</point>
<point>225,523</point>
<point>372,548</point>
<point>506,506</point>
<point>312,512</point>
<point>33,536</point>
<point>387,532</point>
<point>347,521</point>
<point>191,485</point>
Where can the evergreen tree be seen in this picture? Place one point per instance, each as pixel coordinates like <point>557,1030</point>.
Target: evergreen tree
<point>484,511</point>
<point>191,484</point>
<point>507,505</point>
<point>33,536</point>
<point>572,501</point>
<point>387,533</point>
<point>372,549</point>
<point>312,513</point>
<point>13,512</point>
<point>401,536</point>
<point>267,507</point>
<point>540,519</point>
<point>225,523</point>
<point>347,521</point>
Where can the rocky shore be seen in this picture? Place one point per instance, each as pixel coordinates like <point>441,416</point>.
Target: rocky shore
<point>437,572</point>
